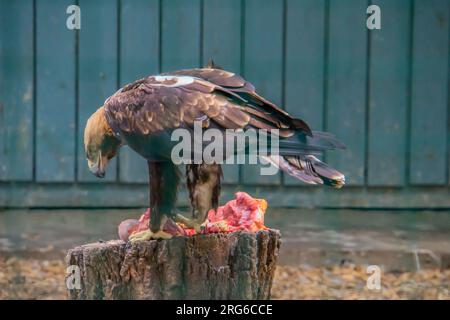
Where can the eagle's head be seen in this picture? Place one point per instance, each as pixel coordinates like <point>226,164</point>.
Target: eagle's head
<point>100,143</point>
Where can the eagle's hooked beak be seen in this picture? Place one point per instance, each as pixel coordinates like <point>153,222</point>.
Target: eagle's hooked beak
<point>98,168</point>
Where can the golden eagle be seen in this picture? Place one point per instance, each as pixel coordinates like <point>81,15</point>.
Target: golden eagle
<point>143,114</point>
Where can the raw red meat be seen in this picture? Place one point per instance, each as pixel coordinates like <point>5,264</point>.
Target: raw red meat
<point>243,213</point>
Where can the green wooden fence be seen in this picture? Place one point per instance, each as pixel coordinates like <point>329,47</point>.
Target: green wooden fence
<point>383,92</point>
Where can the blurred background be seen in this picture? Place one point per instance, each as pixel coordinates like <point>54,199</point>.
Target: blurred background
<point>384,93</point>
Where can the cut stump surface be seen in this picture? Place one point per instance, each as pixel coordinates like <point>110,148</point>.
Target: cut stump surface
<point>238,265</point>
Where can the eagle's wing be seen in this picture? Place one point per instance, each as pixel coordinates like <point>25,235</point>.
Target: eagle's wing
<point>214,96</point>
<point>222,100</point>
<point>246,91</point>
<point>217,76</point>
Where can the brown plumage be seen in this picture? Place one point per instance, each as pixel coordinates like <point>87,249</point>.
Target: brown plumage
<point>144,113</point>
<point>203,182</point>
<point>158,103</point>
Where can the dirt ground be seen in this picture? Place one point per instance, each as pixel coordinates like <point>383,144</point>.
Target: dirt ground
<point>349,283</point>
<point>44,279</point>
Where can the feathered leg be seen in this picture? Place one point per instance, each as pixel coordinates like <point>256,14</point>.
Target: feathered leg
<point>164,179</point>
<point>203,182</point>
<point>163,187</point>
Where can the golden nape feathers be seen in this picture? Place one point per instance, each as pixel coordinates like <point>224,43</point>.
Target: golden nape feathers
<point>100,144</point>
<point>97,127</point>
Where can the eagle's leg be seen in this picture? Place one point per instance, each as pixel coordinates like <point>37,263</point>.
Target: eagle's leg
<point>203,182</point>
<point>163,182</point>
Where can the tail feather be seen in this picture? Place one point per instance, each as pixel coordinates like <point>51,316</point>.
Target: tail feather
<point>301,144</point>
<point>325,139</point>
<point>308,169</point>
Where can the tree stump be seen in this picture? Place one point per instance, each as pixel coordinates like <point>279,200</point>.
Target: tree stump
<point>238,265</point>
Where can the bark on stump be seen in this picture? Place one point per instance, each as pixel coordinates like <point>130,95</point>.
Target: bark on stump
<point>237,265</point>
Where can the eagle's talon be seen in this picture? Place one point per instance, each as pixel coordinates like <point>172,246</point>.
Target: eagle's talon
<point>141,236</point>
<point>198,226</point>
<point>162,235</point>
<point>148,235</point>
<point>203,226</point>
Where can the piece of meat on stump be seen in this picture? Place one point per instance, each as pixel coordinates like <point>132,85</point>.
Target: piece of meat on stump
<point>244,213</point>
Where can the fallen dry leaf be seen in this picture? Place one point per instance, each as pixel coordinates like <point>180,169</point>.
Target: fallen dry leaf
<point>45,279</point>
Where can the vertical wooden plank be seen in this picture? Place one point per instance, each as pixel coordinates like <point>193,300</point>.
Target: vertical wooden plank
<point>346,92</point>
<point>430,89</point>
<point>16,90</point>
<point>180,34</point>
<point>263,63</point>
<point>223,47</point>
<point>97,71</point>
<point>222,43</point>
<point>304,77</point>
<point>139,57</point>
<point>388,94</point>
<point>55,94</point>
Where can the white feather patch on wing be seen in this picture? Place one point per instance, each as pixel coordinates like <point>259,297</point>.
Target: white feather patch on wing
<point>180,80</point>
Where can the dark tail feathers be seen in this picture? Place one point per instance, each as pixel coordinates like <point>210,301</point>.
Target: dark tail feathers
<point>308,169</point>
